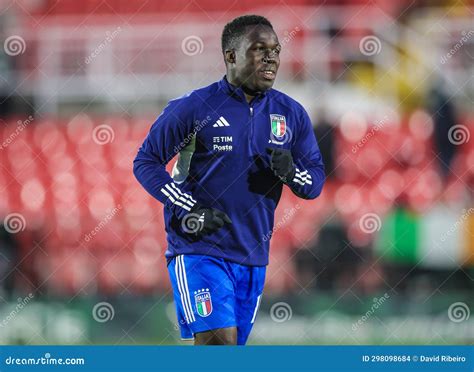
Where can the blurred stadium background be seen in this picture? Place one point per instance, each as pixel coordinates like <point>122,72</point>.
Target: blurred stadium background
<point>384,256</point>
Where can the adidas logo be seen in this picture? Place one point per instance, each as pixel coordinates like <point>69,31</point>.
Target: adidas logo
<point>221,122</point>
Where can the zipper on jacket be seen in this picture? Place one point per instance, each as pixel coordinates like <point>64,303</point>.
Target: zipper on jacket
<point>250,139</point>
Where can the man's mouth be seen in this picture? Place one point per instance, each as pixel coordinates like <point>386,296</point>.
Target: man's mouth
<point>268,74</point>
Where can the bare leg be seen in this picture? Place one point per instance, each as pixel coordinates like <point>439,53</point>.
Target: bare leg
<point>220,336</point>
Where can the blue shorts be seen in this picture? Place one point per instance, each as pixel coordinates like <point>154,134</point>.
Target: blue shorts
<point>213,293</point>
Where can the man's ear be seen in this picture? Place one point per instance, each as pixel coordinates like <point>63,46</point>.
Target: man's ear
<point>229,56</point>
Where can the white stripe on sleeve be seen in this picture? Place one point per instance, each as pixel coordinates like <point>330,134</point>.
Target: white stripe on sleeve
<point>183,193</point>
<point>177,196</point>
<point>163,190</point>
<point>302,178</point>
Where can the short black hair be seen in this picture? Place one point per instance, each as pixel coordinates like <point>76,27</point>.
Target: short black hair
<point>236,28</point>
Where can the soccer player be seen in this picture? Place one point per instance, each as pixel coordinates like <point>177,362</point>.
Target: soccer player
<point>239,142</point>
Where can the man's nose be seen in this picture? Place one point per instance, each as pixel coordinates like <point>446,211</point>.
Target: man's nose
<point>270,57</point>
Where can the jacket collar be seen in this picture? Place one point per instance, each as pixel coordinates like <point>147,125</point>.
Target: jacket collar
<point>236,92</point>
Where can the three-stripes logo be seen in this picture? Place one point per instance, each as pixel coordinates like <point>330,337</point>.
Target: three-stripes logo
<point>178,197</point>
<point>221,122</point>
<point>302,177</point>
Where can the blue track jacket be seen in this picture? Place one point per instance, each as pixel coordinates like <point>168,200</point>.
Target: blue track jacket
<point>221,141</point>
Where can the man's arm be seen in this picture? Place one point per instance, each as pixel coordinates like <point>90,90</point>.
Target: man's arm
<point>167,137</point>
<point>302,169</point>
<point>163,142</point>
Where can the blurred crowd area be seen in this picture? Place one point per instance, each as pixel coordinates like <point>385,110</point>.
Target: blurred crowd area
<point>389,85</point>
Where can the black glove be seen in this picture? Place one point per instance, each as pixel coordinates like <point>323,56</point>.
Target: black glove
<point>203,221</point>
<point>281,163</point>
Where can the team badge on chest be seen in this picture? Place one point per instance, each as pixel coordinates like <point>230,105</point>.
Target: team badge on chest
<point>278,123</point>
<point>202,297</point>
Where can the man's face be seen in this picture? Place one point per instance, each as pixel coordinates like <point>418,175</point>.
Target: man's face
<point>256,59</point>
